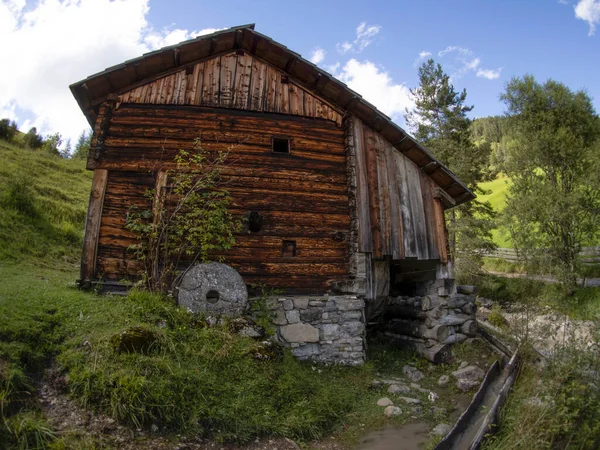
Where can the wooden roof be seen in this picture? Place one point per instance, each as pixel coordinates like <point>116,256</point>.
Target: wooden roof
<point>95,89</point>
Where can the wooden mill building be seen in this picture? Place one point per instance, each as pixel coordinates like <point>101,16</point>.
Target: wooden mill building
<point>349,200</point>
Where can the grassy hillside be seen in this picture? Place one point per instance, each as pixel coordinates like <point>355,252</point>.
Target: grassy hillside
<point>43,203</point>
<point>497,197</point>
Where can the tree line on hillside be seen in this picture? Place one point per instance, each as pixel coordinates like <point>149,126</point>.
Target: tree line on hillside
<point>547,143</point>
<point>51,143</point>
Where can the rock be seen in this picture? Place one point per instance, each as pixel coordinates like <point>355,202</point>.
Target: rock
<point>213,288</point>
<point>442,429</point>
<point>466,385</point>
<point>311,315</point>
<point>292,316</point>
<point>299,332</point>
<point>468,377</point>
<point>154,428</point>
<point>306,350</point>
<point>385,402</point>
<point>466,289</point>
<point>443,380</point>
<point>301,303</point>
<point>411,401</point>
<point>473,373</point>
<point>330,331</point>
<point>136,340</point>
<point>463,364</point>
<point>413,373</point>
<point>280,318</point>
<point>246,327</point>
<point>392,411</point>
<point>398,389</point>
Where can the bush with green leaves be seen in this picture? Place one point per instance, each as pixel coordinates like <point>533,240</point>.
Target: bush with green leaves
<point>190,220</point>
<point>8,129</point>
<point>32,139</point>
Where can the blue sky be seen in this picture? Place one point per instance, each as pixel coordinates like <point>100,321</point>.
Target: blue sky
<point>481,44</point>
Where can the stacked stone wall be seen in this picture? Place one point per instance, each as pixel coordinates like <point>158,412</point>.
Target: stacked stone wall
<point>327,329</point>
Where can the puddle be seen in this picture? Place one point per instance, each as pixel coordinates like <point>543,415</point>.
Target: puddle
<point>404,437</point>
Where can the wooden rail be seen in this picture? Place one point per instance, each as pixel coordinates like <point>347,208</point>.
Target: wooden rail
<point>587,255</point>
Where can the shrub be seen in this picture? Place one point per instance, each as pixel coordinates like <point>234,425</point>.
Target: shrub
<point>8,129</point>
<point>32,139</point>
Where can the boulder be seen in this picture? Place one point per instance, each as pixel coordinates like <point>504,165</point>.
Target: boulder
<point>385,402</point>
<point>392,411</point>
<point>441,429</point>
<point>398,389</point>
<point>443,380</point>
<point>412,373</point>
<point>468,377</point>
<point>213,288</point>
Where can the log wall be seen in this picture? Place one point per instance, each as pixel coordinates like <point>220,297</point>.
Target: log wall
<point>301,195</point>
<point>233,80</point>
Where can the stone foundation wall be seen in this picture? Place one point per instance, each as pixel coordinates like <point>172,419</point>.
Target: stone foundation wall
<point>327,329</point>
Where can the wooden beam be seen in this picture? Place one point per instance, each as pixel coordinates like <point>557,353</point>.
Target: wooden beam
<point>92,225</point>
<point>462,198</point>
<point>440,228</point>
<point>431,167</point>
<point>443,196</point>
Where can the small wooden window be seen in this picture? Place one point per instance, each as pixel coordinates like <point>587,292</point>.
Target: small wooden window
<point>289,248</point>
<point>280,145</point>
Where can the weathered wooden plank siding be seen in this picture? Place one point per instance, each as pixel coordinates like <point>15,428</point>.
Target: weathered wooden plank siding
<point>302,195</point>
<point>232,80</point>
<point>397,217</point>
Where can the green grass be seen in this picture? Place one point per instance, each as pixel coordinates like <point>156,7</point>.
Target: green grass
<point>43,204</point>
<point>498,189</point>
<point>553,406</point>
<point>583,304</point>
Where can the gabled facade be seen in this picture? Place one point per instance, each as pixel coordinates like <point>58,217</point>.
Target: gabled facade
<point>350,202</point>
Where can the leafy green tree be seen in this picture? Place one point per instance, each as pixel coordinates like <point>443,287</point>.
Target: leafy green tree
<point>82,147</point>
<point>52,143</point>
<point>440,121</point>
<point>32,139</point>
<point>553,205</point>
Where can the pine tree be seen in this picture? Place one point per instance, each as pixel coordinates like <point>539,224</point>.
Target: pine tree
<point>439,120</point>
<point>82,148</point>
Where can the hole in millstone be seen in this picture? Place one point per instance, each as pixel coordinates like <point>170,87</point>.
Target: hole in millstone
<point>212,296</point>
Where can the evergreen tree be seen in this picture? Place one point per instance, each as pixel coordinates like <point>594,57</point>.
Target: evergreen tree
<point>553,205</point>
<point>439,120</point>
<point>82,148</point>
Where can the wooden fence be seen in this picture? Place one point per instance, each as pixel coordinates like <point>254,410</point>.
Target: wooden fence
<point>587,255</point>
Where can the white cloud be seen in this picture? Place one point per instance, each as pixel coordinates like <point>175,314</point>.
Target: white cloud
<point>364,37</point>
<point>589,10</point>
<point>317,56</point>
<point>459,61</point>
<point>57,42</point>
<point>377,87</point>
<point>423,55</point>
<point>332,68</point>
<point>490,74</point>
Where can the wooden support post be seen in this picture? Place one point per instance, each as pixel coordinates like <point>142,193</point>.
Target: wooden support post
<point>440,228</point>
<point>92,225</point>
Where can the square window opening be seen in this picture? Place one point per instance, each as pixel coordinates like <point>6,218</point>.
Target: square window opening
<point>289,248</point>
<point>281,145</point>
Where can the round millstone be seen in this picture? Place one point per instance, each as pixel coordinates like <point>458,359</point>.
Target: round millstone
<point>213,288</point>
